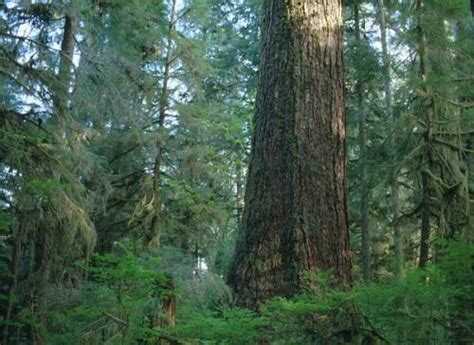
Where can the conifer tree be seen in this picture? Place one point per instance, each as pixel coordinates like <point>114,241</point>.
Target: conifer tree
<point>295,217</point>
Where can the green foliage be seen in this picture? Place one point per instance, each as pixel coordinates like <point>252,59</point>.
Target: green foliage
<point>45,188</point>
<point>427,306</point>
<point>117,304</point>
<point>5,221</point>
<point>225,326</point>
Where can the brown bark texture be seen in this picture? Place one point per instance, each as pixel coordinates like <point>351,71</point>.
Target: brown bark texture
<point>65,64</point>
<point>295,216</point>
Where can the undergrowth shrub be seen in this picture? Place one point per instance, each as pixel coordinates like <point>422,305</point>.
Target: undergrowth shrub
<point>427,306</point>
<point>115,305</point>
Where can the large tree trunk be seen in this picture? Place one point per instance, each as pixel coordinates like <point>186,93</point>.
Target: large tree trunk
<point>295,216</point>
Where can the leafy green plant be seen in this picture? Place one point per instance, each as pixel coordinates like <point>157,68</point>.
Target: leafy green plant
<point>122,296</point>
<point>225,326</point>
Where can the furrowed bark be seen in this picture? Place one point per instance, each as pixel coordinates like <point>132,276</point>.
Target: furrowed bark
<point>295,215</point>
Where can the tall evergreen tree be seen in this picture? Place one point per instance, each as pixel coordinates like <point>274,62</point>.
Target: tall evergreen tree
<point>363,154</point>
<point>388,101</point>
<point>295,217</point>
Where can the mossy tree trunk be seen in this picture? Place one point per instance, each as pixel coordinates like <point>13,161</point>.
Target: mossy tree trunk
<point>167,318</point>
<point>425,233</point>
<point>295,215</point>
<point>152,235</point>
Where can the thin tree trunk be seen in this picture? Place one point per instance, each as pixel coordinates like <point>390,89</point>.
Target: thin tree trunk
<point>60,103</point>
<point>61,92</point>
<point>295,215</point>
<point>425,183</point>
<point>469,230</point>
<point>425,222</point>
<point>167,317</point>
<point>49,233</point>
<point>395,199</point>
<point>18,237</point>
<point>363,162</point>
<point>152,237</point>
<point>239,193</point>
